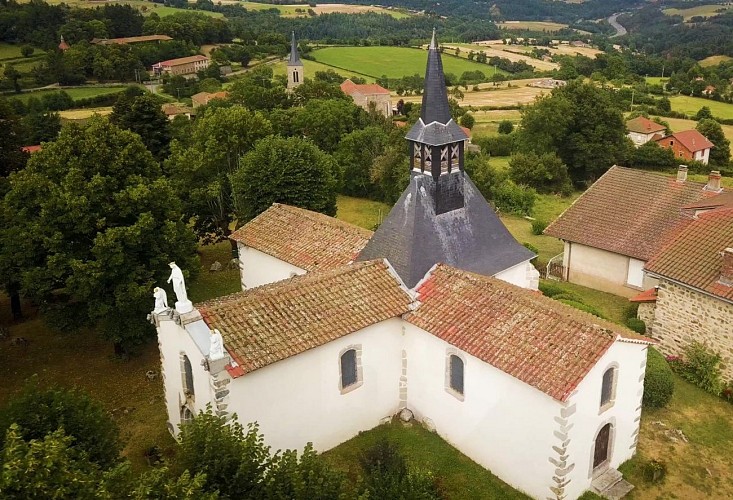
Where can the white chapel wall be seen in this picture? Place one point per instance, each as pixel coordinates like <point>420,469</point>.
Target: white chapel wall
<point>519,275</point>
<point>503,424</point>
<point>258,268</point>
<point>298,399</point>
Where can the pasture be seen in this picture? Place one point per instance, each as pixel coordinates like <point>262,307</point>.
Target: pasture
<point>394,62</point>
<point>145,7</point>
<point>75,93</point>
<point>548,27</point>
<point>502,96</point>
<point>714,60</point>
<point>85,113</point>
<point>310,68</point>
<point>708,10</point>
<point>691,105</point>
<point>301,10</point>
<point>513,53</point>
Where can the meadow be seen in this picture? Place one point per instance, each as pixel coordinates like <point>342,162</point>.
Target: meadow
<point>714,60</point>
<point>394,62</point>
<point>147,8</point>
<point>707,10</point>
<point>310,67</point>
<point>532,26</point>
<point>691,105</point>
<point>75,93</point>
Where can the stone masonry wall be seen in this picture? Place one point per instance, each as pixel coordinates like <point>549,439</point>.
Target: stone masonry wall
<point>683,315</point>
<point>646,314</point>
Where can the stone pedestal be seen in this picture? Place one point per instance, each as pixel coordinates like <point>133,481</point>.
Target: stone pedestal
<point>184,307</point>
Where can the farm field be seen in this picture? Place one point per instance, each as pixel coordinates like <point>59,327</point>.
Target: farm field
<point>511,54</point>
<point>487,122</point>
<point>502,97</point>
<point>691,105</point>
<point>75,93</point>
<point>656,80</point>
<point>310,67</point>
<point>565,50</point>
<point>714,60</point>
<point>150,7</point>
<point>395,62</point>
<point>708,10</point>
<point>532,26</point>
<point>83,114</point>
<point>293,10</point>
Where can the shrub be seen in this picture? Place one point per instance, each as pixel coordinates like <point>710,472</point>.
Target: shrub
<point>582,307</point>
<point>550,289</point>
<point>701,366</point>
<point>654,471</point>
<point>515,199</point>
<point>546,173</point>
<point>531,248</point>
<point>538,227</point>
<point>500,145</point>
<point>506,127</point>
<point>565,295</point>
<point>636,324</point>
<point>468,120</point>
<point>27,50</point>
<point>658,381</point>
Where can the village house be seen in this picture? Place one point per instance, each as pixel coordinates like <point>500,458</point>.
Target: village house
<point>434,317</point>
<point>171,110</point>
<point>618,224</point>
<point>694,268</point>
<point>181,66</point>
<point>688,145</point>
<point>203,98</point>
<point>63,46</point>
<point>369,95</point>
<point>642,130</point>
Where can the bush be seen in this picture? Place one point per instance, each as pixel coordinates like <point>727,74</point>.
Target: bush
<point>550,289</point>
<point>27,50</point>
<point>658,381</point>
<point>468,120</point>
<point>546,173</point>
<point>514,199</point>
<point>531,248</point>
<point>500,145</point>
<point>582,307</point>
<point>636,324</point>
<point>506,127</point>
<point>538,227</point>
<point>654,471</point>
<point>700,366</point>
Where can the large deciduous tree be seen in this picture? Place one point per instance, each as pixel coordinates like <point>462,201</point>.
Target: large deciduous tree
<point>326,121</point>
<point>144,116</point>
<point>292,171</point>
<point>200,170</point>
<point>355,154</point>
<point>100,225</point>
<point>580,123</point>
<point>720,153</point>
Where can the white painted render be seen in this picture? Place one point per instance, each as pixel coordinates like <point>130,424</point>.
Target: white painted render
<point>703,156</point>
<point>638,139</point>
<point>503,424</point>
<point>624,414</point>
<point>601,270</point>
<point>258,268</point>
<point>523,275</point>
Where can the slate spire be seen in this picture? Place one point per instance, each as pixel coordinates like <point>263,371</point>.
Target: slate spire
<point>294,56</point>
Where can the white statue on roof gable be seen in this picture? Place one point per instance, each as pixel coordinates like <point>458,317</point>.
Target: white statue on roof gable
<point>183,305</point>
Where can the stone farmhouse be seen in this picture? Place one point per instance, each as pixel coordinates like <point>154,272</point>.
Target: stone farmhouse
<point>613,229</point>
<point>694,268</point>
<point>435,316</point>
<point>643,130</point>
<point>369,95</point>
<point>688,145</point>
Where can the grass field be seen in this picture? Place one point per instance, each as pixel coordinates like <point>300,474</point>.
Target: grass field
<point>395,62</point>
<point>691,105</point>
<point>310,67</point>
<point>83,114</point>
<point>700,10</point>
<point>361,212</point>
<point>532,26</point>
<point>292,10</point>
<point>75,93</point>
<point>656,80</point>
<point>715,60</point>
<point>149,7</point>
<point>10,51</point>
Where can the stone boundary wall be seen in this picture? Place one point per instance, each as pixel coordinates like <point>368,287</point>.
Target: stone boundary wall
<point>683,315</point>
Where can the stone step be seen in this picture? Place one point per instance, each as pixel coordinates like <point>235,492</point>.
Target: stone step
<point>618,490</point>
<point>606,480</point>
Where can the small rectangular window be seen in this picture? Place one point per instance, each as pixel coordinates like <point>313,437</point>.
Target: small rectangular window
<point>456,374</point>
<point>348,368</point>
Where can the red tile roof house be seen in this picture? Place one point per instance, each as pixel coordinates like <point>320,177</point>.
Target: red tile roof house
<point>619,223</point>
<point>411,320</point>
<point>369,94</point>
<point>694,299</point>
<point>642,130</point>
<point>181,66</point>
<point>688,145</point>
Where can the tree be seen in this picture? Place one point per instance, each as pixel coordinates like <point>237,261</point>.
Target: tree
<point>40,411</point>
<point>200,170</point>
<point>546,173</point>
<point>391,172</point>
<point>720,153</point>
<point>11,74</point>
<point>326,121</point>
<point>468,120</point>
<point>101,224</point>
<point>145,117</point>
<point>506,127</point>
<point>703,113</point>
<point>278,170</point>
<point>581,124</point>
<point>41,127</point>
<point>355,154</point>
<point>27,50</point>
<point>317,89</point>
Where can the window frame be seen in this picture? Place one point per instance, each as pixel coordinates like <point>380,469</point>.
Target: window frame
<point>449,355</point>
<point>358,368</point>
<point>606,405</point>
<point>189,390</point>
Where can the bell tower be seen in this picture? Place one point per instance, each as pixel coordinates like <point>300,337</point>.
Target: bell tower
<point>295,65</point>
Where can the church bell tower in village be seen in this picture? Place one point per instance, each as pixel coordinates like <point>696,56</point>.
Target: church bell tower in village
<point>295,65</point>
<point>442,217</point>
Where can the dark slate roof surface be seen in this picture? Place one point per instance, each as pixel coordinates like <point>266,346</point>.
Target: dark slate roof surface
<point>294,56</point>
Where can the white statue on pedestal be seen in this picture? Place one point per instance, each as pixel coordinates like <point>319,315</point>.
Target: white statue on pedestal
<point>161,300</point>
<point>216,350</point>
<point>183,305</point>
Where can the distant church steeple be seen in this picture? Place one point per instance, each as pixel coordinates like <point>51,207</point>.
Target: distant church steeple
<point>295,65</point>
<point>441,216</point>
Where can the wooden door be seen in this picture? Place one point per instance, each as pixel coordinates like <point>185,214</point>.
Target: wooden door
<point>602,444</point>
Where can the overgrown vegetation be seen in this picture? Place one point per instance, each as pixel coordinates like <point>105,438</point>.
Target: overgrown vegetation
<point>658,381</point>
<point>701,366</point>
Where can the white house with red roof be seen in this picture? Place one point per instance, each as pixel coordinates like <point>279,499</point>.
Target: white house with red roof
<point>182,66</point>
<point>369,94</point>
<point>433,317</point>
<point>642,130</point>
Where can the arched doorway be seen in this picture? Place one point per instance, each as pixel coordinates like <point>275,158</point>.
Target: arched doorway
<point>601,451</point>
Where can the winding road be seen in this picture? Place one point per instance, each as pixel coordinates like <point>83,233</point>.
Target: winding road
<point>620,30</point>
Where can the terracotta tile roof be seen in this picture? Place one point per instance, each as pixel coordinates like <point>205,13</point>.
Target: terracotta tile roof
<point>692,140</point>
<point>692,254</point>
<point>724,199</point>
<point>647,296</point>
<point>182,60</point>
<point>627,212</point>
<point>270,323</point>
<point>533,338</point>
<point>305,239</point>
<point>350,88</point>
<point>31,149</point>
<point>643,125</point>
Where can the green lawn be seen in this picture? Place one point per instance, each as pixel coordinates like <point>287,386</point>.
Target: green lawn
<point>395,62</point>
<point>10,51</point>
<point>75,93</point>
<point>656,80</point>
<point>461,477</point>
<point>361,212</point>
<point>310,68</point>
<point>691,105</point>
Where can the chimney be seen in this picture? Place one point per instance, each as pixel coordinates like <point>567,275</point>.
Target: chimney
<point>682,173</point>
<point>713,182</point>
<point>726,270</point>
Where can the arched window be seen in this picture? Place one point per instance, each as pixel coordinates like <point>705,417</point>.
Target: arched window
<point>607,387</point>
<point>186,415</point>
<point>456,374</point>
<point>348,368</point>
<point>187,377</point>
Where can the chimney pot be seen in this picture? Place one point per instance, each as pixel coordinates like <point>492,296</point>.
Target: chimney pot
<point>713,182</point>
<point>682,173</point>
<point>726,270</point>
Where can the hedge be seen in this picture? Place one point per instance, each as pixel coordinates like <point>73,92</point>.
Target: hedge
<point>658,381</point>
